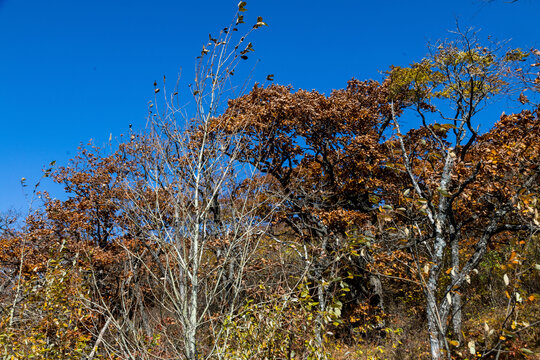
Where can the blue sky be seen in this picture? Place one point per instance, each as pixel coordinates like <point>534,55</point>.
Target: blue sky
<point>71,71</point>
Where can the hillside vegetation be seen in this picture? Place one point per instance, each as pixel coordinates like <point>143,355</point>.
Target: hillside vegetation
<point>375,222</point>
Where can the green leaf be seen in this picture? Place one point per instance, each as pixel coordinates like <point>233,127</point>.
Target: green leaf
<point>444,193</point>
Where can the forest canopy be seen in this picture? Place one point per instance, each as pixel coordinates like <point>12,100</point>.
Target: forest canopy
<point>376,221</point>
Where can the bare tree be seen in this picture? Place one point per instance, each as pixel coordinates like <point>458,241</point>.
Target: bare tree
<point>194,211</point>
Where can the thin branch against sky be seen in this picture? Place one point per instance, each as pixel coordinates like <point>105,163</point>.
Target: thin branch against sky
<point>75,71</point>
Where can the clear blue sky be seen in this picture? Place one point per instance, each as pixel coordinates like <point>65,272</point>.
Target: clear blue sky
<point>71,71</point>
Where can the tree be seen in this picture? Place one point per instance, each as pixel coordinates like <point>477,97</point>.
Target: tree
<point>50,321</point>
<point>463,198</point>
<point>268,224</point>
<point>188,201</point>
<point>325,156</point>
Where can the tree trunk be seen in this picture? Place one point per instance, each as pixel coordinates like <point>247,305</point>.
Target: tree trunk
<point>456,296</point>
<point>376,297</point>
<point>433,326</point>
<point>321,290</point>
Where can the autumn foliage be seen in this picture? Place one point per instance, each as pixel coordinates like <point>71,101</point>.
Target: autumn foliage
<point>291,224</point>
